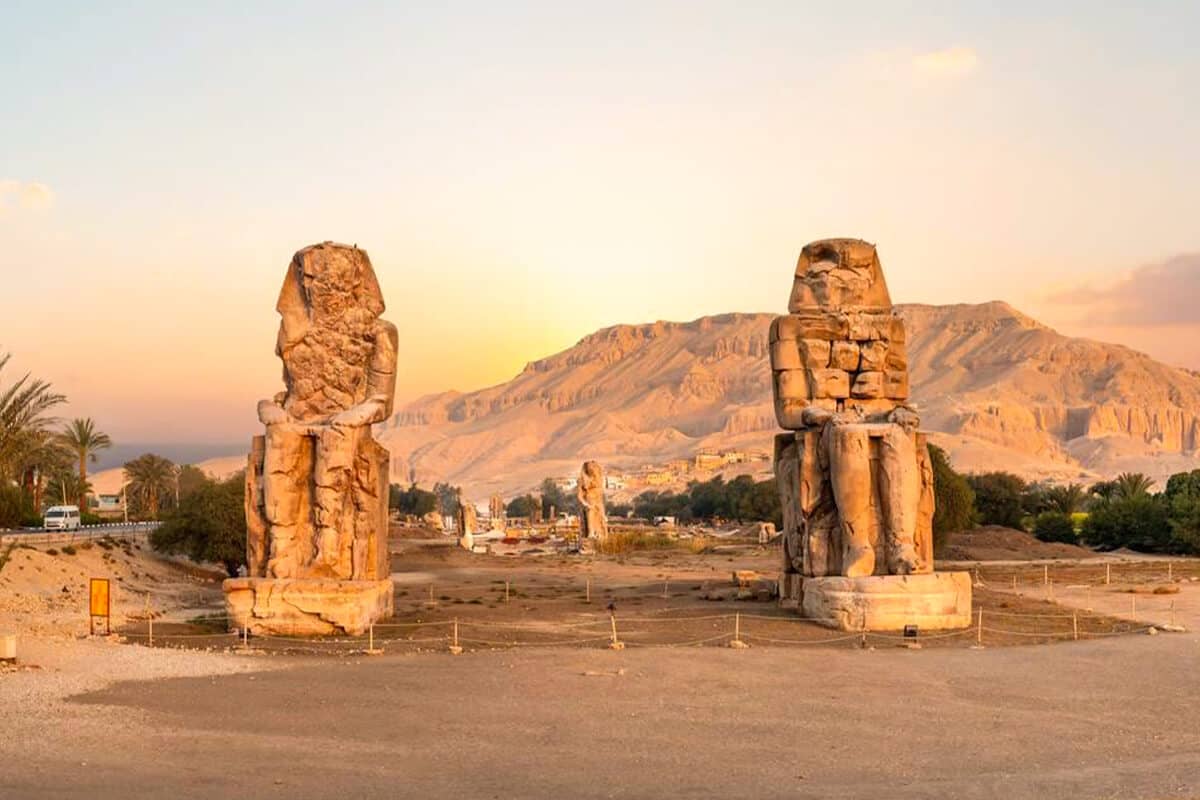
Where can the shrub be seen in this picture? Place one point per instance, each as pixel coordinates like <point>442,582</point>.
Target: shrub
<point>1054,526</point>
<point>954,508</point>
<point>16,509</point>
<point>1139,523</point>
<point>619,543</point>
<point>208,525</point>
<point>51,551</point>
<point>999,498</point>
<point>68,550</point>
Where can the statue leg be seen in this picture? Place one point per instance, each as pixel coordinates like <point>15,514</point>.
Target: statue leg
<point>333,508</point>
<point>900,493</point>
<point>850,474</point>
<point>284,493</point>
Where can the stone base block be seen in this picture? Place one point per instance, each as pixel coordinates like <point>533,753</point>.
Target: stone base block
<point>306,606</point>
<point>934,601</point>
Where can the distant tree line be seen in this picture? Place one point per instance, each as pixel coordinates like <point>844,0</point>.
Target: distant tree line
<point>414,500</point>
<point>1124,512</point>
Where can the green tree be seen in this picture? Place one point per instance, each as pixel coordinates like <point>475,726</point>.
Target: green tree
<point>1133,484</point>
<point>999,498</point>
<point>151,484</point>
<point>1182,497</point>
<point>191,479</point>
<point>1139,522</point>
<point>25,408</point>
<point>520,506</point>
<point>447,496</point>
<point>1066,499</point>
<point>85,441</point>
<point>413,500</point>
<point>561,500</point>
<point>954,499</point>
<point>1054,526</point>
<point>209,524</point>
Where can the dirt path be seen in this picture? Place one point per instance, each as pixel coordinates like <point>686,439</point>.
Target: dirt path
<point>1065,721</point>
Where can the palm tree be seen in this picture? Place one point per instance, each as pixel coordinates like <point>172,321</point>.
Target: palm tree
<point>151,478</point>
<point>1065,499</point>
<point>41,456</point>
<point>1132,484</point>
<point>24,411</point>
<point>83,438</point>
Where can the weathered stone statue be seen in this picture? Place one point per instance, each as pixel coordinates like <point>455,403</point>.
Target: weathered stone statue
<point>854,474</point>
<point>317,482</point>
<point>593,520</point>
<point>496,512</point>
<point>466,520</point>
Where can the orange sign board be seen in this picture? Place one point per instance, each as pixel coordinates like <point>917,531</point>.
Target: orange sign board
<point>99,597</point>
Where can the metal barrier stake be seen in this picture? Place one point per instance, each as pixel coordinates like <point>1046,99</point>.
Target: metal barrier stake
<point>979,629</point>
<point>588,596</point>
<point>1075,624</point>
<point>1107,574</point>
<point>506,591</point>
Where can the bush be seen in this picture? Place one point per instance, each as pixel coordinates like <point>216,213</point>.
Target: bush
<point>1054,526</point>
<point>1139,523</point>
<point>618,543</point>
<point>68,550</point>
<point>51,551</point>
<point>999,498</point>
<point>208,525</point>
<point>90,519</point>
<point>15,506</point>
<point>954,508</point>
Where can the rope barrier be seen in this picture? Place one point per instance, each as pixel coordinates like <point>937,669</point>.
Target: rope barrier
<point>760,637</point>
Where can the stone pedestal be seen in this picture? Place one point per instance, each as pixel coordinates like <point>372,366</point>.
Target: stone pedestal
<point>306,606</point>
<point>933,601</point>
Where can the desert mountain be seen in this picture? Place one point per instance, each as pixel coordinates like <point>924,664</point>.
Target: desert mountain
<point>997,389</point>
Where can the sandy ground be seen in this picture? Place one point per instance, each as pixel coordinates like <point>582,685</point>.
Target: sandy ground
<point>1109,717</point>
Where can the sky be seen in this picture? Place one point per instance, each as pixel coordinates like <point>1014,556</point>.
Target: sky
<point>522,174</point>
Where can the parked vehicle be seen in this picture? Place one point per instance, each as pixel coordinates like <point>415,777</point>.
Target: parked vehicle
<point>61,518</point>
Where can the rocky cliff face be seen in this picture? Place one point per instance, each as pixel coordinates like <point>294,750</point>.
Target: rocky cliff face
<point>998,389</point>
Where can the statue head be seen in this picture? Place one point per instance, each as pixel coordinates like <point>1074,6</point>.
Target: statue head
<point>839,273</point>
<point>329,308</point>
<point>324,284</point>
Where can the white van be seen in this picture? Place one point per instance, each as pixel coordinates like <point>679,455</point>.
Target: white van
<point>61,518</point>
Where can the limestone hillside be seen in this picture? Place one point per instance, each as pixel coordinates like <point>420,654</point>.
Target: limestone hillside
<point>997,389</point>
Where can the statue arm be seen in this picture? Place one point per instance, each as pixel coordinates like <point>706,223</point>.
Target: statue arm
<point>381,381</point>
<point>271,412</point>
<point>381,372</point>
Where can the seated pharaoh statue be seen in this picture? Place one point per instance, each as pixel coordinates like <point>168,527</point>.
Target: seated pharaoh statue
<point>317,482</point>
<point>854,473</point>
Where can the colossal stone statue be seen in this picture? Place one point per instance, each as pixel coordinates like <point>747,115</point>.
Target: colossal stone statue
<point>466,519</point>
<point>496,512</point>
<point>317,482</point>
<point>593,519</point>
<point>854,474</point>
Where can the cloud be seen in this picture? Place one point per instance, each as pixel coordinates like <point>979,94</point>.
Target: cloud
<point>1164,293</point>
<point>950,63</point>
<point>31,196</point>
